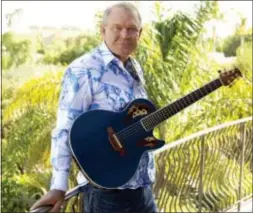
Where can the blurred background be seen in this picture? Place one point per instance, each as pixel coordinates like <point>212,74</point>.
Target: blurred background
<point>183,45</point>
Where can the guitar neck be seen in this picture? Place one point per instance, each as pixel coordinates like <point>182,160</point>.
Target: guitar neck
<point>155,118</point>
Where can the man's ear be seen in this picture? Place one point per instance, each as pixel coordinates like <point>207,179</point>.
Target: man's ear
<point>140,32</point>
<point>102,30</point>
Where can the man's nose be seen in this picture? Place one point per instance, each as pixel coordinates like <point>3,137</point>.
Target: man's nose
<point>124,33</point>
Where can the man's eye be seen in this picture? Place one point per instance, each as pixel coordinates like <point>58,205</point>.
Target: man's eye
<point>132,29</point>
<point>117,28</point>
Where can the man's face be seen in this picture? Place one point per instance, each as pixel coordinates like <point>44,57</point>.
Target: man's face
<point>121,32</point>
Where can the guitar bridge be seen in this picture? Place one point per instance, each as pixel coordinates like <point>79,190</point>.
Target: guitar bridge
<point>114,141</point>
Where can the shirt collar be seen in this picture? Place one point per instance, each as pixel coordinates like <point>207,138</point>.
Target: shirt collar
<point>107,55</point>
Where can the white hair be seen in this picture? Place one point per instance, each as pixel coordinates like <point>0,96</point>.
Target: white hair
<point>127,6</point>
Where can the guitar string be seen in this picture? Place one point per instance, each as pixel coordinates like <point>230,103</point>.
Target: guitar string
<point>131,130</point>
<point>123,134</point>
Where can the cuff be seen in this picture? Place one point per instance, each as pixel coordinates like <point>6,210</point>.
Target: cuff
<point>59,181</point>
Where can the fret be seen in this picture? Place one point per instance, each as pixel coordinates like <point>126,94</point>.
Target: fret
<point>155,118</point>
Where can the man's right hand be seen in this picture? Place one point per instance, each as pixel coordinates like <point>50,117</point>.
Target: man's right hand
<point>53,197</point>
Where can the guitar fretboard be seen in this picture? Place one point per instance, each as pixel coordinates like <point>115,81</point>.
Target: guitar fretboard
<point>155,118</point>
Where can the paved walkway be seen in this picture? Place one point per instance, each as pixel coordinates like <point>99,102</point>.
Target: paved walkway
<point>245,207</point>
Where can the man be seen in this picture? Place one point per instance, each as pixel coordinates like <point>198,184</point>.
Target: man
<point>104,78</point>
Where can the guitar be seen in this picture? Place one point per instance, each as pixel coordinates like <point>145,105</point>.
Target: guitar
<point>107,146</point>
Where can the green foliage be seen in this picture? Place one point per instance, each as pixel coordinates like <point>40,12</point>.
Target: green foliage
<point>15,51</point>
<point>176,37</point>
<point>64,52</point>
<point>14,78</point>
<point>244,59</point>
<point>16,197</point>
<point>28,120</point>
<point>32,95</point>
<point>166,67</point>
<point>232,43</point>
<point>27,124</point>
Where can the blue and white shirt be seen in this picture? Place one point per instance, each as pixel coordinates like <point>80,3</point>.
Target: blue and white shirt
<point>96,80</point>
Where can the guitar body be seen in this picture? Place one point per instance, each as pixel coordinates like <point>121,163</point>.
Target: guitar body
<point>105,160</point>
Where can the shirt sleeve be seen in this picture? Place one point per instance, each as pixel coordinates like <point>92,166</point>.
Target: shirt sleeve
<point>75,98</point>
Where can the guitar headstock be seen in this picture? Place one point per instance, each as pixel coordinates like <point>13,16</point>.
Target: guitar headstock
<point>228,77</point>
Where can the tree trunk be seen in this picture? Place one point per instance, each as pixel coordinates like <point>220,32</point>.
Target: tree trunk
<point>242,43</point>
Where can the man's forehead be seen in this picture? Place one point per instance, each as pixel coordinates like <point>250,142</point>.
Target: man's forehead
<point>119,11</point>
<point>123,23</point>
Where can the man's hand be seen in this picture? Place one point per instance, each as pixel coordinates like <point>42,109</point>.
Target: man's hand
<point>54,198</point>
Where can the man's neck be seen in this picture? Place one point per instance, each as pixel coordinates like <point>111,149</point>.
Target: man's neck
<point>124,60</point>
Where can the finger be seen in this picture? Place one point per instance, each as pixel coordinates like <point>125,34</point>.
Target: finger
<point>42,202</point>
<point>57,206</point>
<point>37,204</point>
<point>44,208</point>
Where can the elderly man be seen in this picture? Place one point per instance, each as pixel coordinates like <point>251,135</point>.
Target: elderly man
<point>106,78</point>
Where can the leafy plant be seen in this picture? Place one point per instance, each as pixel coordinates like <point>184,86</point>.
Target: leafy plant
<point>231,44</point>
<point>15,52</point>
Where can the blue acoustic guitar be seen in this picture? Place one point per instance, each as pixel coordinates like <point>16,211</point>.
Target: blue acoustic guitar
<point>107,146</point>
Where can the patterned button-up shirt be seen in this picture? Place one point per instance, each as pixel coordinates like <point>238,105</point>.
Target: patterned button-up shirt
<point>97,80</point>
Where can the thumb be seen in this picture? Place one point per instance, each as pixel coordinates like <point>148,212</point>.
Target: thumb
<point>57,206</point>
<point>43,202</point>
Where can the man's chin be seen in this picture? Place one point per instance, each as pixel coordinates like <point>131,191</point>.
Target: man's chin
<point>125,52</point>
